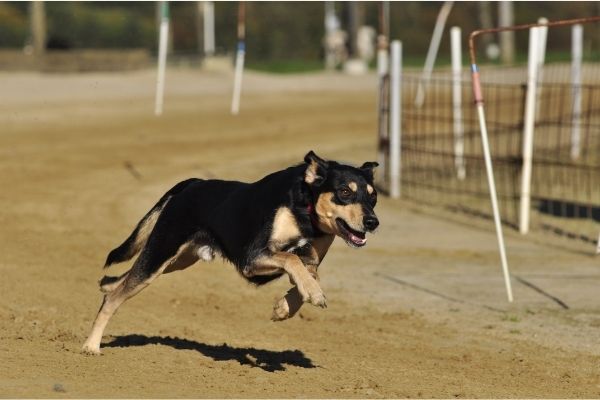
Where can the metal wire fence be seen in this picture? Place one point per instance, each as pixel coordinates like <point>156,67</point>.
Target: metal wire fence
<point>565,188</point>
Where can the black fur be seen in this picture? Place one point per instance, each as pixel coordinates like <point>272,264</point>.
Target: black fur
<point>234,218</point>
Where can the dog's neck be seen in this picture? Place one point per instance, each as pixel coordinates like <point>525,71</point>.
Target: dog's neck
<point>310,197</point>
<point>313,217</point>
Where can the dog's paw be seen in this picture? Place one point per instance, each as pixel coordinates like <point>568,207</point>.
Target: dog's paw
<point>91,350</point>
<point>311,293</point>
<point>318,299</point>
<point>281,310</point>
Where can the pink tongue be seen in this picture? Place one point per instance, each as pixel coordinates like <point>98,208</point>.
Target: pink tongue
<point>356,240</point>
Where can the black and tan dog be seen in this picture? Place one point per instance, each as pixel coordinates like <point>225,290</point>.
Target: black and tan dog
<point>282,224</point>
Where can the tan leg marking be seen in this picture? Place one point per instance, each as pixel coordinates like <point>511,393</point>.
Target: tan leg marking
<point>290,304</point>
<point>109,287</point>
<point>147,227</point>
<point>308,287</point>
<point>186,256</point>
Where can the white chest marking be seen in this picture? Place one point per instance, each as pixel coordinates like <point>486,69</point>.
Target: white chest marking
<point>205,253</point>
<point>298,245</point>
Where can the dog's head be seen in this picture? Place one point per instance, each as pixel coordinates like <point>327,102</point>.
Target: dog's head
<point>344,198</point>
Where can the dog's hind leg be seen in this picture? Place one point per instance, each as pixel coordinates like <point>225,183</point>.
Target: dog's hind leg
<point>110,303</point>
<point>140,276</point>
<point>128,288</point>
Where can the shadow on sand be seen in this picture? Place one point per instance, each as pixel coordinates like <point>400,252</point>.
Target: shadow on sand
<point>267,360</point>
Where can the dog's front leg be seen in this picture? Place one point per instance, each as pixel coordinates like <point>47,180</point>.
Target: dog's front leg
<point>290,304</point>
<point>308,288</point>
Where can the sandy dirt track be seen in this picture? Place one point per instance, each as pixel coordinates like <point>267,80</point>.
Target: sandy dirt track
<point>420,312</point>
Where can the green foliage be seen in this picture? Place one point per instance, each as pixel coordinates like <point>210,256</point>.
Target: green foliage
<point>280,31</point>
<point>278,34</point>
<point>100,25</point>
<point>13,26</point>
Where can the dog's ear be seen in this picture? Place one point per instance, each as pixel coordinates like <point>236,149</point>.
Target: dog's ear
<point>368,168</point>
<point>316,170</point>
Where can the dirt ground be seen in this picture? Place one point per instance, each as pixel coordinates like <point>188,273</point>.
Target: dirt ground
<point>419,312</point>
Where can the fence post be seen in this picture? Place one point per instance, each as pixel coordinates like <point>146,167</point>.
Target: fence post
<point>528,130</point>
<point>506,17</point>
<point>576,80</point>
<point>209,28</point>
<point>459,143</point>
<point>163,42</point>
<point>383,99</point>
<point>395,117</point>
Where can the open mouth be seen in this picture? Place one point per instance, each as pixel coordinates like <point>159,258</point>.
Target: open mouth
<point>351,236</point>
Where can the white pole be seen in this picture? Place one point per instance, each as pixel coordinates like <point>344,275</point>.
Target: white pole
<point>493,197</point>
<point>576,80</point>
<point>543,34</point>
<point>528,129</point>
<point>162,58</point>
<point>237,83</point>
<point>395,115</point>
<point>239,59</point>
<point>478,95</point>
<point>440,23</point>
<point>459,144</point>
<point>209,28</point>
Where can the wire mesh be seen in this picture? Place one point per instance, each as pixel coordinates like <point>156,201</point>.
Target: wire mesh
<point>565,191</point>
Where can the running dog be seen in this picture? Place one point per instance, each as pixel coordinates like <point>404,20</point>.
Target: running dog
<point>282,224</point>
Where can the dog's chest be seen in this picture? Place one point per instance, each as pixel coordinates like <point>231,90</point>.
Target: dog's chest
<point>285,234</point>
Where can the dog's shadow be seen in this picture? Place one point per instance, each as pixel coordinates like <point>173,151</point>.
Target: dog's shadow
<point>267,360</point>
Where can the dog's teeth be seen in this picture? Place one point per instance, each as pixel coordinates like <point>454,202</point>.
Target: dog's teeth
<point>356,240</point>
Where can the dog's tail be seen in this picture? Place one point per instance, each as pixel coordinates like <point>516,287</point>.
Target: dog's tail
<point>134,243</point>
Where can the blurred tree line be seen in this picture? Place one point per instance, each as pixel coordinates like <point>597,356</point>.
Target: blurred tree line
<point>275,30</point>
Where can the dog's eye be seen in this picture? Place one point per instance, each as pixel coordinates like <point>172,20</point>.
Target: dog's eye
<point>374,197</point>
<point>345,192</point>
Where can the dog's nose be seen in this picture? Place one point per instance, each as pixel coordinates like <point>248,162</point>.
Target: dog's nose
<point>370,222</point>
